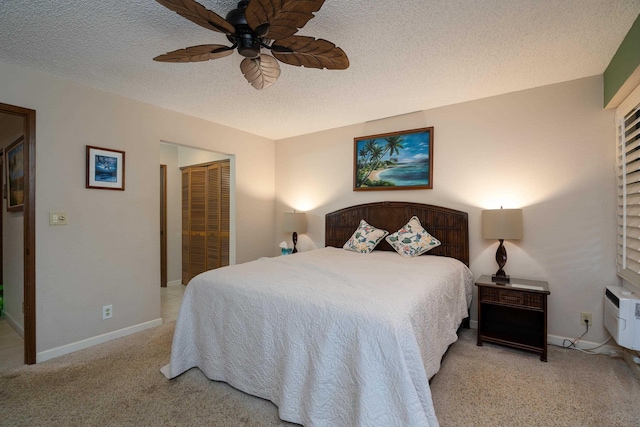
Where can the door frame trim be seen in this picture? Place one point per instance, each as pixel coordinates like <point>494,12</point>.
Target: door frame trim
<point>29,215</point>
<point>163,226</point>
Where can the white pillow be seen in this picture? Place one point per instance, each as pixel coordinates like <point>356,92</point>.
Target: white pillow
<point>365,238</point>
<point>412,240</point>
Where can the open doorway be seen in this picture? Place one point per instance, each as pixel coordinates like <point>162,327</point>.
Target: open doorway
<point>17,133</point>
<point>172,158</point>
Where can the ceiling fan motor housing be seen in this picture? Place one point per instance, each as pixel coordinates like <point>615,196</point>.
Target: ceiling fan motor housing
<point>247,41</point>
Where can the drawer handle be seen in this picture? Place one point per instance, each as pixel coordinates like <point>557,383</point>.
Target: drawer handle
<point>506,297</point>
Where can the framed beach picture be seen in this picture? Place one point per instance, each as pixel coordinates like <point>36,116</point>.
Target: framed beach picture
<point>14,167</point>
<point>105,168</point>
<point>394,161</point>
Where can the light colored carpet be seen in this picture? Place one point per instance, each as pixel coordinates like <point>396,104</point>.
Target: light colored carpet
<point>119,384</point>
<point>499,386</point>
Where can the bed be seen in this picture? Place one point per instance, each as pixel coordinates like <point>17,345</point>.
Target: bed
<point>333,337</point>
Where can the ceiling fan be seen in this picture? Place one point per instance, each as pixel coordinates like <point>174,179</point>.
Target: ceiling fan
<point>252,26</point>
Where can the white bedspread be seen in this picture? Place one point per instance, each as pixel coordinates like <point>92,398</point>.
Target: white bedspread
<point>333,338</point>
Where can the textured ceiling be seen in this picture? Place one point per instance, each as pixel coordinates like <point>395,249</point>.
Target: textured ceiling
<point>405,55</point>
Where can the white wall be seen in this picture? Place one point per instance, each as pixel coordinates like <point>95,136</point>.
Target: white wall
<point>109,252</point>
<point>189,156</point>
<point>548,150</point>
<point>11,128</point>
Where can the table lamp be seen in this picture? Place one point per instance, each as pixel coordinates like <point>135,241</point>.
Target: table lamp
<point>295,222</point>
<point>502,224</point>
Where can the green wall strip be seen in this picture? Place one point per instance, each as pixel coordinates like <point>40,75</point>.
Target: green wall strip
<point>623,63</point>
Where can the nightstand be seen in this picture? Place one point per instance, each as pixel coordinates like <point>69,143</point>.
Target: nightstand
<point>513,314</point>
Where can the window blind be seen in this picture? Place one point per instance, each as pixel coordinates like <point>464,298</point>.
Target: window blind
<point>628,180</point>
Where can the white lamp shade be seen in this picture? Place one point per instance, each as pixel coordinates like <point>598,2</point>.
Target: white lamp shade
<point>295,222</point>
<point>502,224</point>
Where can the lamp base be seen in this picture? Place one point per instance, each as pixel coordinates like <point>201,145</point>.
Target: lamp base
<point>500,279</point>
<point>501,259</point>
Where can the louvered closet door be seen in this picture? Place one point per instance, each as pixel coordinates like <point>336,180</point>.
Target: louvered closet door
<point>185,227</point>
<point>218,181</point>
<point>194,234</point>
<point>225,211</point>
<point>198,221</point>
<point>205,218</point>
<point>213,216</point>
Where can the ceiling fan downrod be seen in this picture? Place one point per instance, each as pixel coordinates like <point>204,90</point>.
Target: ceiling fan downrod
<point>247,40</point>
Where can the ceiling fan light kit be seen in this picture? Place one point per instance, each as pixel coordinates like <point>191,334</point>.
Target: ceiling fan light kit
<point>255,25</point>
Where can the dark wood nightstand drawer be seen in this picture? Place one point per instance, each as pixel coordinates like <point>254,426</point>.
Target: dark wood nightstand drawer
<point>505,296</point>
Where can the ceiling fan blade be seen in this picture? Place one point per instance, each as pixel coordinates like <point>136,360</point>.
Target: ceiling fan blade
<point>311,53</point>
<point>197,13</point>
<point>196,53</point>
<point>261,72</point>
<point>284,17</point>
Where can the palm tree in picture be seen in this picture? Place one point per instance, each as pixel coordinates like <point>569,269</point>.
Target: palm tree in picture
<point>366,154</point>
<point>376,154</point>
<point>362,159</point>
<point>370,147</point>
<point>393,146</point>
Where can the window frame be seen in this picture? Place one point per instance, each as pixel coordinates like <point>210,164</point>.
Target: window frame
<point>627,193</point>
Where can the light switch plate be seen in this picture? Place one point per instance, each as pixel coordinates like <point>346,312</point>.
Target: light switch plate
<point>57,218</point>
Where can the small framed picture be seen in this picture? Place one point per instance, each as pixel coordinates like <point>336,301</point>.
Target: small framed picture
<point>14,165</point>
<point>105,168</point>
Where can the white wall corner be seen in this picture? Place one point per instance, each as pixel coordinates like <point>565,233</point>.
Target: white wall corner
<point>14,324</point>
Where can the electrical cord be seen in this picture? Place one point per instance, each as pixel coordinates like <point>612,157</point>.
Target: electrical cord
<point>573,343</point>
<point>590,350</point>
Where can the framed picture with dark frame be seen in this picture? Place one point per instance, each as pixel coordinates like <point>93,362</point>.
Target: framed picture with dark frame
<point>105,168</point>
<point>14,167</point>
<point>394,161</point>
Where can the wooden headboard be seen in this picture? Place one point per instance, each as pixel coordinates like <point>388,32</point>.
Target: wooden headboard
<point>449,226</point>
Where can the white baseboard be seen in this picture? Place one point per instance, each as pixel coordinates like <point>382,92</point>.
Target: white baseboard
<point>608,349</point>
<point>90,342</point>
<point>174,283</point>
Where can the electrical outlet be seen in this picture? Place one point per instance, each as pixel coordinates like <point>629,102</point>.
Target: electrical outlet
<point>585,316</point>
<point>107,312</point>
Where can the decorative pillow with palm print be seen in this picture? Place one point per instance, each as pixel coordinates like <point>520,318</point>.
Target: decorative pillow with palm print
<point>412,240</point>
<point>365,238</point>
